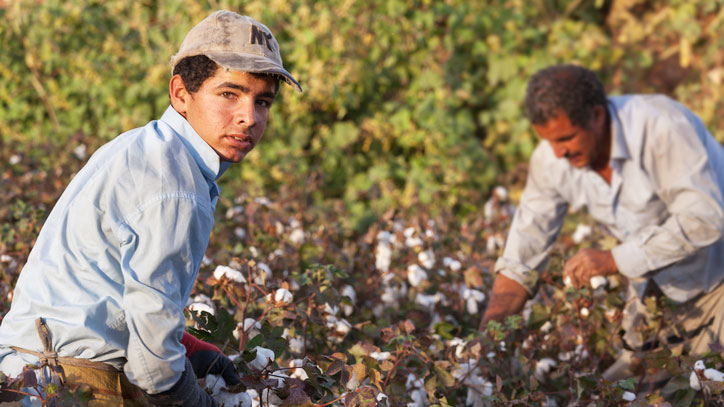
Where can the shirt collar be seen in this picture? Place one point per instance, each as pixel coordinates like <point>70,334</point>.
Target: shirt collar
<point>619,151</point>
<point>206,158</point>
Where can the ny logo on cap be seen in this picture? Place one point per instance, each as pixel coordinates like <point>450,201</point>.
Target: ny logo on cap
<point>259,36</point>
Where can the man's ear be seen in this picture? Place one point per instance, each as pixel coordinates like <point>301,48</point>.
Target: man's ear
<point>179,94</point>
<point>599,116</point>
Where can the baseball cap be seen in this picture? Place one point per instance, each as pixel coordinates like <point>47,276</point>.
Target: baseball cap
<point>235,42</point>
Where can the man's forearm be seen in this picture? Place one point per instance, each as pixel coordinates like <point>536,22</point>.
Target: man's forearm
<point>506,298</point>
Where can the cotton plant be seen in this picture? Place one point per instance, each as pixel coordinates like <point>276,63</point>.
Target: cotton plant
<point>416,389</point>
<point>478,388</point>
<point>701,372</point>
<point>498,205</point>
<point>216,386</point>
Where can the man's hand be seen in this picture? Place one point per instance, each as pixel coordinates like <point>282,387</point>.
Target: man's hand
<point>588,263</point>
<point>208,359</point>
<point>507,297</point>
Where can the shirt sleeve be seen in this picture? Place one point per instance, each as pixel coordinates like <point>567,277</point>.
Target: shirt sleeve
<point>161,255</point>
<point>676,159</point>
<point>536,224</point>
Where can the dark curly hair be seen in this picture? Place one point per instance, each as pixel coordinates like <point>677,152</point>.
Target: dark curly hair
<point>570,88</point>
<point>194,70</point>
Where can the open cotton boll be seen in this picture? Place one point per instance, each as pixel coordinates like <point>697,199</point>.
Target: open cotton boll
<point>296,345</point>
<point>199,307</point>
<point>383,257</point>
<point>265,274</point>
<point>598,281</point>
<point>415,275</point>
<point>585,312</point>
<point>699,365</point>
<point>628,396</point>
<point>452,264</point>
<point>229,273</point>
<point>80,151</point>
<point>543,368</point>
<point>694,381</point>
<point>297,371</point>
<point>427,258</point>
<point>263,358</point>
<point>297,236</point>
<point>380,356</point>
<point>283,295</point>
<point>568,282</point>
<point>251,326</point>
<point>714,375</point>
<point>581,233</point>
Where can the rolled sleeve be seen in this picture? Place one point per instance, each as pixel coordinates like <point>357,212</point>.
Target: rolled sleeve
<point>161,254</point>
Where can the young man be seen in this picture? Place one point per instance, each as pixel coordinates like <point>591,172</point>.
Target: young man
<point>101,297</point>
<point>646,168</point>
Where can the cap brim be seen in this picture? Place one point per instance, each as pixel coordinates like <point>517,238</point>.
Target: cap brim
<point>253,64</point>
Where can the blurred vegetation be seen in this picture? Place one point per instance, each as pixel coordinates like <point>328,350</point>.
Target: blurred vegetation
<point>406,102</point>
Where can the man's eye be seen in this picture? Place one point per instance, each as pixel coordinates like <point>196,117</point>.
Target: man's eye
<point>263,103</point>
<point>227,95</point>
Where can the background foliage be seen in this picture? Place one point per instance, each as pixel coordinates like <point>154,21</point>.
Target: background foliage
<point>412,112</point>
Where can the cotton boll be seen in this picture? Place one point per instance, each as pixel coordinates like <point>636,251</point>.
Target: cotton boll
<point>699,365</point>
<point>427,258</point>
<point>416,275</point>
<point>426,300</point>
<point>628,396</point>
<point>200,307</point>
<point>380,356</point>
<point>493,243</point>
<point>543,368</point>
<point>331,309</point>
<point>419,398</point>
<point>383,257</point>
<point>251,326</point>
<point>582,233</point>
<point>283,296</point>
<point>297,371</point>
<point>262,200</point>
<point>598,281</point>
<point>240,233</point>
<point>546,327</point>
<point>585,312</point>
<point>413,242</point>
<point>270,398</point>
<point>296,345</point>
<point>214,383</point>
<point>263,358</point>
<point>342,327</point>
<point>452,264</point>
<point>297,236</point>
<point>714,375</point>
<point>234,211</point>
<point>264,275</point>
<point>694,381</point>
<point>472,297</point>
<point>568,282</point>
<point>349,292</point>
<point>229,273</point>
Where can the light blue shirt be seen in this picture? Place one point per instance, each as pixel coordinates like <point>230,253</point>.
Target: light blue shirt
<point>664,203</point>
<point>116,260</point>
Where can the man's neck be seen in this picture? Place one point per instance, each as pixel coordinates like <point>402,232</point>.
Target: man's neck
<point>602,163</point>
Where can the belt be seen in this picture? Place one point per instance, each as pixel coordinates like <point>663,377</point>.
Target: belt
<point>49,358</point>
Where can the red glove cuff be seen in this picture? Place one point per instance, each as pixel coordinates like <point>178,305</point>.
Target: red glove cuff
<point>194,345</point>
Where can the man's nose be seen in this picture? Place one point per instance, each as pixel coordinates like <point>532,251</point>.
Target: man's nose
<point>560,151</point>
<point>245,112</point>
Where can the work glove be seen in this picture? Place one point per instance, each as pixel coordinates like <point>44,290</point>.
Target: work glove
<point>208,359</point>
<point>185,393</point>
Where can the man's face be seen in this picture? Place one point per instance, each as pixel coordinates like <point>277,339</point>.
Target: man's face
<point>581,146</point>
<point>229,111</point>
